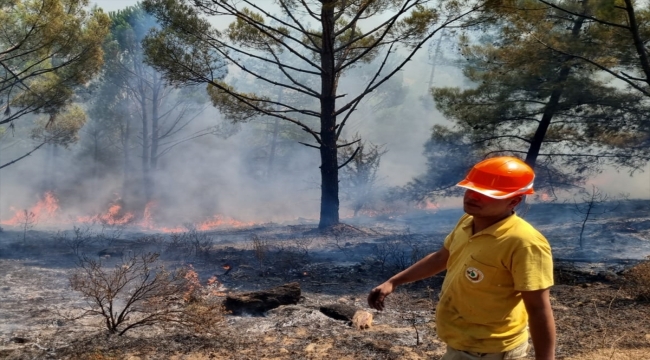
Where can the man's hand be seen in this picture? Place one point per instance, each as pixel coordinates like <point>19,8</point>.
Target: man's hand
<point>426,267</point>
<point>378,294</point>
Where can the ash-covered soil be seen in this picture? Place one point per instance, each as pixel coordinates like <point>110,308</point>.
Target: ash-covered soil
<point>597,316</point>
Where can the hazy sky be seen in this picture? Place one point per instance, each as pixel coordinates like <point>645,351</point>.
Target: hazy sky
<point>112,5</point>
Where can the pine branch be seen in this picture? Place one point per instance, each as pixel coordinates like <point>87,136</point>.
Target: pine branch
<point>264,29</point>
<point>406,60</point>
<point>309,145</point>
<point>377,73</point>
<point>348,144</point>
<point>351,157</point>
<point>600,21</point>
<point>22,157</point>
<point>601,67</point>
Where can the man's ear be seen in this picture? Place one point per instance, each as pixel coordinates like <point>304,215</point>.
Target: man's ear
<point>516,201</point>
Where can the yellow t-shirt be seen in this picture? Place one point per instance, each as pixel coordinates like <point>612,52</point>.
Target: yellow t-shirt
<point>480,307</point>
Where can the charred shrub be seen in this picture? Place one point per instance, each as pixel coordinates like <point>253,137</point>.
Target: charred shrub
<point>139,292</point>
<point>149,242</point>
<point>288,258</point>
<point>638,281</point>
<point>78,241</point>
<point>81,240</point>
<point>260,249</point>
<point>192,244</point>
<point>396,253</point>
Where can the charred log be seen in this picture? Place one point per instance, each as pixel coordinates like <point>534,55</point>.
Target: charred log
<point>339,311</point>
<point>358,318</point>
<point>256,303</point>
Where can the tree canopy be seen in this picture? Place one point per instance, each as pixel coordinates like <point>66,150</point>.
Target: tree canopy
<point>48,50</point>
<point>565,118</point>
<point>135,109</point>
<point>312,44</point>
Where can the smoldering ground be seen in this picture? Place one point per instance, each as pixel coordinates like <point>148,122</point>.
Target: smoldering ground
<point>591,300</point>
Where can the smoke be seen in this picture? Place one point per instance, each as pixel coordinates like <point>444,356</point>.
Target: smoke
<point>222,176</point>
<point>230,176</point>
<point>199,179</point>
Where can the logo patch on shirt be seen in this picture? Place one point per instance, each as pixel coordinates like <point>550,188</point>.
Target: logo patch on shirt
<point>474,275</point>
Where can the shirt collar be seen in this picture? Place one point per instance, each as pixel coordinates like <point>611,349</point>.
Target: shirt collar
<point>496,230</point>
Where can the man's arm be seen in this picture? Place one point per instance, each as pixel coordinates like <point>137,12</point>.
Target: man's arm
<point>541,322</point>
<point>426,267</point>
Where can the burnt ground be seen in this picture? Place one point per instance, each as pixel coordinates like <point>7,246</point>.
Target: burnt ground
<point>597,313</point>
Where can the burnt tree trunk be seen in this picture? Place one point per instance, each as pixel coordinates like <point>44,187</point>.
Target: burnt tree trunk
<point>552,104</point>
<point>638,42</point>
<point>590,207</point>
<point>329,207</point>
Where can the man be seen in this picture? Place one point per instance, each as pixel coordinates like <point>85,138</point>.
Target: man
<point>499,271</point>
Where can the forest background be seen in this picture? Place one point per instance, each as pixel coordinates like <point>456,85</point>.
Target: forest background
<point>207,165</point>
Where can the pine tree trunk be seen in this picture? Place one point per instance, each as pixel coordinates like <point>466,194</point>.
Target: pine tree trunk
<point>638,42</point>
<point>329,208</point>
<point>551,105</point>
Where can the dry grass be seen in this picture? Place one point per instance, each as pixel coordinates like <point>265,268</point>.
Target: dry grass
<point>615,354</point>
<point>638,281</point>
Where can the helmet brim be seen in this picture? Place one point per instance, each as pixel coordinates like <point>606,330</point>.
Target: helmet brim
<point>495,194</point>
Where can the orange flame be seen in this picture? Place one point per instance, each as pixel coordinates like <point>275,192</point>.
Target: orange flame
<point>45,210</point>
<point>219,221</point>
<point>169,230</point>
<point>147,220</point>
<point>114,216</point>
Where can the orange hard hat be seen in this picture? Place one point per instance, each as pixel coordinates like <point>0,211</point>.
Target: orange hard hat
<point>500,178</point>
